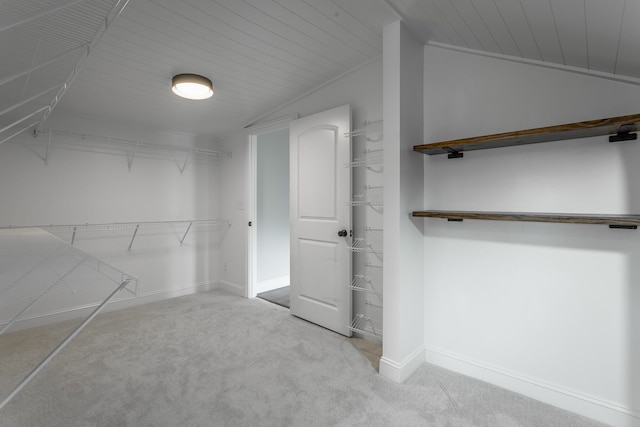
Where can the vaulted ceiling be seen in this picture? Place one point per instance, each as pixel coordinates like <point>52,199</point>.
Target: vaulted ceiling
<point>597,35</point>
<point>113,60</point>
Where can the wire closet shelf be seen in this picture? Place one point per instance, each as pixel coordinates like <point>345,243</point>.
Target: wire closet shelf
<point>182,226</point>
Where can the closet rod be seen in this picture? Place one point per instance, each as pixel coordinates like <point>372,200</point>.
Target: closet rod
<point>113,226</point>
<point>136,144</point>
<point>127,226</point>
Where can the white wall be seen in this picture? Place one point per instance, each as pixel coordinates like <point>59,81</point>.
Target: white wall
<point>93,185</point>
<point>272,220</point>
<point>403,246</point>
<point>548,310</point>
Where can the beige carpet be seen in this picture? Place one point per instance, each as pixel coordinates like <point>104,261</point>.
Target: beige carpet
<point>213,359</point>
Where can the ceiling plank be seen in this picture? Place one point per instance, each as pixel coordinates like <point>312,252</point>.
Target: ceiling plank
<point>469,13</point>
<point>202,18</point>
<point>224,52</point>
<point>268,15</point>
<point>516,20</point>
<point>627,58</point>
<point>455,19</point>
<point>497,27</point>
<point>334,12</point>
<point>569,17</point>
<point>540,17</point>
<point>428,19</point>
<point>317,19</point>
<point>604,21</point>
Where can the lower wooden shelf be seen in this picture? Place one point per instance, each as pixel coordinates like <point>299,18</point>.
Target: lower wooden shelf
<point>613,221</point>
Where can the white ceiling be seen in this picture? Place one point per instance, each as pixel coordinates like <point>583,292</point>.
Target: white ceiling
<point>261,54</point>
<point>598,35</point>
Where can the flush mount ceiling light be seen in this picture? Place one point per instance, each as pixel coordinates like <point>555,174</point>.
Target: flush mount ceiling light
<point>192,86</point>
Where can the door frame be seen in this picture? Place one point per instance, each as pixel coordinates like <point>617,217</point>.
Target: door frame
<point>252,235</point>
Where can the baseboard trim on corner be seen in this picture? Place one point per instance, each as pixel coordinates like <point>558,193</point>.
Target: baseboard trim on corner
<point>589,406</point>
<point>232,288</point>
<point>399,371</point>
<point>115,304</point>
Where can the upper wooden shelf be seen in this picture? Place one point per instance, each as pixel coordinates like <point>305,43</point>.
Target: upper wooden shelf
<point>614,125</point>
<point>614,221</point>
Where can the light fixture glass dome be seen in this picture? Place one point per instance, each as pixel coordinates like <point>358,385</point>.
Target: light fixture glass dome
<point>192,86</point>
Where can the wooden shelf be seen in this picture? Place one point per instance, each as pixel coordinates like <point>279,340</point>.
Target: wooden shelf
<point>614,221</point>
<point>610,126</point>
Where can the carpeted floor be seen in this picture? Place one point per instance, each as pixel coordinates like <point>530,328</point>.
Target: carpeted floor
<point>213,359</point>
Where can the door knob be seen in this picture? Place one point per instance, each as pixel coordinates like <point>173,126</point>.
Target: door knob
<point>342,233</point>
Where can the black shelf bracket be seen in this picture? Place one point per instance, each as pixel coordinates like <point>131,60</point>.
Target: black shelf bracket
<point>623,227</point>
<point>454,154</point>
<point>455,219</point>
<point>624,134</point>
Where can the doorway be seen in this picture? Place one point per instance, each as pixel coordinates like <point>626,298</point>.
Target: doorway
<point>270,151</point>
<point>318,222</point>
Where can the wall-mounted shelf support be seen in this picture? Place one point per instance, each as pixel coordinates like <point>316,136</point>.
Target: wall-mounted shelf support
<point>624,134</point>
<point>46,151</point>
<point>623,227</point>
<point>186,232</point>
<point>453,154</point>
<point>182,165</point>
<point>134,236</point>
<point>73,236</point>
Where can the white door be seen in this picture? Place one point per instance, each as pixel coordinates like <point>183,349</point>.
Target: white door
<point>320,189</point>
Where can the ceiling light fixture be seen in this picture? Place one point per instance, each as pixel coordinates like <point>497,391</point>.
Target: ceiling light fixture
<point>192,86</point>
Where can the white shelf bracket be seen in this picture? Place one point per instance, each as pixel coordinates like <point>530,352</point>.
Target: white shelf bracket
<point>73,236</point>
<point>46,151</point>
<point>133,237</point>
<point>185,233</point>
<point>132,156</point>
<point>181,165</point>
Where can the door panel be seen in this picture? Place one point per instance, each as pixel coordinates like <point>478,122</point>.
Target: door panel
<point>317,189</point>
<point>320,189</point>
<point>317,259</point>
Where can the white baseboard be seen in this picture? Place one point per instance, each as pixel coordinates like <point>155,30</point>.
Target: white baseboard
<point>604,411</point>
<point>232,288</point>
<point>117,304</point>
<point>400,371</point>
<point>268,285</point>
